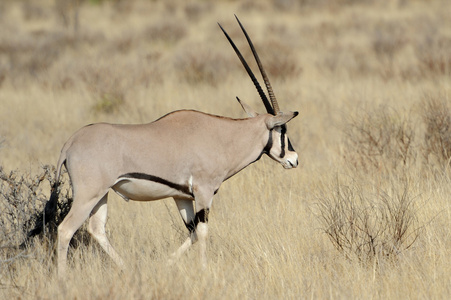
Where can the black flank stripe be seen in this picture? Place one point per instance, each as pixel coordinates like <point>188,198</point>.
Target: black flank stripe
<point>183,188</point>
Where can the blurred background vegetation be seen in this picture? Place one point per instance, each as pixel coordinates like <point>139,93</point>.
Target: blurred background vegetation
<point>366,214</point>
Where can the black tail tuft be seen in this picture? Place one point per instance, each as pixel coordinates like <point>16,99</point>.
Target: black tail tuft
<point>46,216</point>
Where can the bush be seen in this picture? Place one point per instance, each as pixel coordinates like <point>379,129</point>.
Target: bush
<point>23,206</point>
<point>437,138</point>
<point>169,31</point>
<point>107,86</point>
<point>380,140</point>
<point>367,226</point>
<point>20,197</point>
<point>197,68</point>
<point>388,41</point>
<point>279,60</point>
<point>109,102</point>
<point>434,55</point>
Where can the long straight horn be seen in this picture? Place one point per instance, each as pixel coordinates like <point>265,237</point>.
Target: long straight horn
<point>262,94</point>
<point>272,97</point>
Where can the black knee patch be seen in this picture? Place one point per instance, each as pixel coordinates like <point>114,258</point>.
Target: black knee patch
<point>201,216</point>
<point>191,226</point>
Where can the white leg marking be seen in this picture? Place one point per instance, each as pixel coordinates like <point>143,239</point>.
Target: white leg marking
<point>186,209</point>
<point>190,184</point>
<point>202,233</point>
<point>96,227</point>
<point>176,255</point>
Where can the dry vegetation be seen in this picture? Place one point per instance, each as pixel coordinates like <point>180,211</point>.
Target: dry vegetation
<point>366,214</point>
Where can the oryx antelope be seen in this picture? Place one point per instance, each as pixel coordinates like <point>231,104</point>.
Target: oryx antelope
<point>185,155</point>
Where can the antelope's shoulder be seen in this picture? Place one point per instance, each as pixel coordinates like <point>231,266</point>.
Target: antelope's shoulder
<point>189,114</point>
<point>193,118</point>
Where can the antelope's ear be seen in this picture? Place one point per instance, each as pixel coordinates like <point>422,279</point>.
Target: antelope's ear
<point>250,112</point>
<point>280,119</point>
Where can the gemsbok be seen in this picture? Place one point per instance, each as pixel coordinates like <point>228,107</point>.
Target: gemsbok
<point>185,155</point>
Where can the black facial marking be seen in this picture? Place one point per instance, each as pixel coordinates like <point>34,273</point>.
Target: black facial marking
<point>282,140</point>
<point>268,144</point>
<point>201,216</point>
<point>183,188</point>
<point>290,147</point>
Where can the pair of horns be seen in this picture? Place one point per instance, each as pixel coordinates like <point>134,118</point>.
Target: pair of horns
<point>274,109</point>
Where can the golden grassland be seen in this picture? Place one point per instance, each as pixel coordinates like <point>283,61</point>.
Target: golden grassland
<point>370,81</point>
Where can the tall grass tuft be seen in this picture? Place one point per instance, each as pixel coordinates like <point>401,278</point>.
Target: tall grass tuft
<point>437,138</point>
<point>368,225</point>
<point>381,139</point>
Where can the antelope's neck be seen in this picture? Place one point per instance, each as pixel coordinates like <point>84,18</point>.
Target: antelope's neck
<point>248,146</point>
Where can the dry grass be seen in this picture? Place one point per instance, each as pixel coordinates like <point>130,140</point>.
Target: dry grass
<point>371,80</point>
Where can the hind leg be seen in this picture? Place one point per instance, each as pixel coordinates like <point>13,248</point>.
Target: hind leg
<point>78,213</point>
<point>96,227</point>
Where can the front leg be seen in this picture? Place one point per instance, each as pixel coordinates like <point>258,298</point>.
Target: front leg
<point>202,233</point>
<point>204,199</point>
<point>196,223</point>
<point>186,209</point>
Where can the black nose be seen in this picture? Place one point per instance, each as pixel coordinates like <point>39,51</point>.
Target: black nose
<point>293,165</point>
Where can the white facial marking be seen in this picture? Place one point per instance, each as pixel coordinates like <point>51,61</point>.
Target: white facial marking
<point>190,184</point>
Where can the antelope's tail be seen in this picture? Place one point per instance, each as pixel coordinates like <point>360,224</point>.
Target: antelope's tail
<point>49,212</point>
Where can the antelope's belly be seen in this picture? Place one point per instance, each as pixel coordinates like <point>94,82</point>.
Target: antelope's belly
<point>146,190</point>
